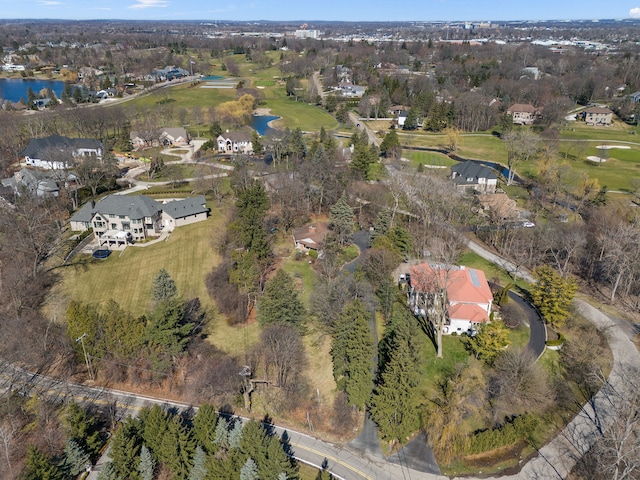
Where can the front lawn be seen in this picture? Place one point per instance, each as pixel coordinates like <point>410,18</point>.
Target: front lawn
<point>188,255</point>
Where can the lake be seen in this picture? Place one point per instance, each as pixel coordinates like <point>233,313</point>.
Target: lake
<point>260,123</point>
<point>15,88</point>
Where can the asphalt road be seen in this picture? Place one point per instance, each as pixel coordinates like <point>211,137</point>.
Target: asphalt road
<point>538,335</point>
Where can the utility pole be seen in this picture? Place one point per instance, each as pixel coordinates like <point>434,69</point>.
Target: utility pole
<point>86,357</point>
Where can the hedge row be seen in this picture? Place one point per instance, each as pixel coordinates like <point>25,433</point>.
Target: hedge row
<point>519,428</point>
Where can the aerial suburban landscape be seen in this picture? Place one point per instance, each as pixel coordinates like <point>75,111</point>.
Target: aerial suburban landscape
<point>382,245</point>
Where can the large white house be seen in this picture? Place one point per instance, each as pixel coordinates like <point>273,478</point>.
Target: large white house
<point>465,291</point>
<point>235,142</point>
<point>57,152</point>
<point>123,218</point>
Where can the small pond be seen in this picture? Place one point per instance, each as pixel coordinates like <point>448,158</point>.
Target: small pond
<point>260,123</point>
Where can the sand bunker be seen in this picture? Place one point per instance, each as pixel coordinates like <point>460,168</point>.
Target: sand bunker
<point>593,158</point>
<point>607,147</point>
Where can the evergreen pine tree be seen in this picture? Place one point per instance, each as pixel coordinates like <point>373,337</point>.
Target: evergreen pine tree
<point>204,427</point>
<point>40,466</point>
<point>81,427</point>
<point>279,462</point>
<point>258,149</point>
<point>352,352</point>
<point>280,302</point>
<point>155,424</point>
<point>249,470</point>
<point>235,435</point>
<point>393,404</point>
<point>199,469</point>
<point>390,146</point>
<point>125,449</point>
<point>147,465</point>
<point>108,472</point>
<point>341,218</point>
<point>381,225</point>
<point>177,448</point>
<point>221,437</point>
<point>254,441</point>
<point>167,335</point>
<point>163,287</point>
<point>75,459</point>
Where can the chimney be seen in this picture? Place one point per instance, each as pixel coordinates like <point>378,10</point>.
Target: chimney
<point>93,204</point>
<point>312,229</point>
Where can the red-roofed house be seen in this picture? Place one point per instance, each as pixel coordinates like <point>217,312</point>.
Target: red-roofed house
<point>467,294</point>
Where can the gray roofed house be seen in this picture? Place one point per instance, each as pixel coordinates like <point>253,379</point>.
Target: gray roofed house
<point>139,216</point>
<point>56,152</point>
<point>172,136</point>
<point>183,212</point>
<point>472,175</point>
<point>37,183</point>
<point>235,142</point>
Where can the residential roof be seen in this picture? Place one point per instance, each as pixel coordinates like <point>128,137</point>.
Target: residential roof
<point>175,132</point>
<point>469,173</point>
<point>465,311</point>
<point>463,284</point>
<point>597,110</point>
<point>236,136</point>
<point>311,236</point>
<point>522,107</point>
<point>186,207</point>
<point>133,206</point>
<point>57,142</point>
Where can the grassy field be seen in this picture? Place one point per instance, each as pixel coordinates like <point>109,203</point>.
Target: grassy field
<point>491,271</point>
<point>428,158</point>
<point>188,255</point>
<point>453,353</point>
<point>294,114</point>
<point>481,145</point>
<point>576,143</point>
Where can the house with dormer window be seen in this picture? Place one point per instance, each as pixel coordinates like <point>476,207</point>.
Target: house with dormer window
<point>137,217</point>
<point>474,176</point>
<point>465,292</point>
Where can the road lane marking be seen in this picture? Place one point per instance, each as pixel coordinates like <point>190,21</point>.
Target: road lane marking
<point>329,457</point>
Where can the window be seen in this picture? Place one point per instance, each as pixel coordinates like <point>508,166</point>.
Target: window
<point>114,226</point>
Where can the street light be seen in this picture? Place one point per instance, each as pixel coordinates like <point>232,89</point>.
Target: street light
<point>86,357</point>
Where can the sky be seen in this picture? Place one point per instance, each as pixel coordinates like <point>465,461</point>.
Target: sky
<point>309,10</point>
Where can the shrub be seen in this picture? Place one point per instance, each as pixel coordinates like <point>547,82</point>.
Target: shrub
<point>514,430</point>
<point>557,342</point>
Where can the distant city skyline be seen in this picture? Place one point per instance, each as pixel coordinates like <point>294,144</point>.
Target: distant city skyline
<point>328,10</point>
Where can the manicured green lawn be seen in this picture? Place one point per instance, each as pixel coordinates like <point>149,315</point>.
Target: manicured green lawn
<point>182,96</point>
<point>453,352</point>
<point>188,255</point>
<point>481,145</point>
<point>304,276</point>
<point>296,114</point>
<point>427,158</point>
<point>490,270</point>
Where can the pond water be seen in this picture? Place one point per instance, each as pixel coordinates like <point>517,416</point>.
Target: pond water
<point>16,88</point>
<point>260,123</point>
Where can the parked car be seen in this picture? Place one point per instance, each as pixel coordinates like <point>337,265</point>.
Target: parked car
<point>528,224</point>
